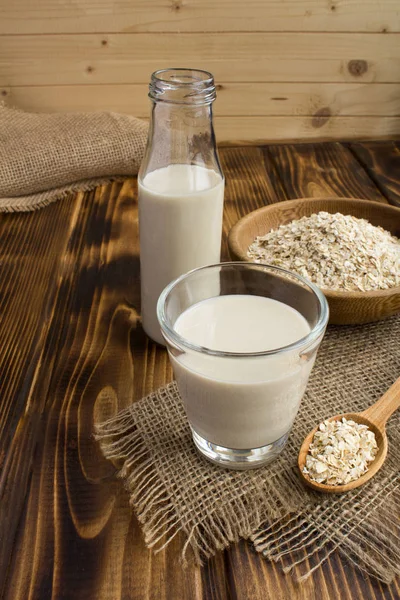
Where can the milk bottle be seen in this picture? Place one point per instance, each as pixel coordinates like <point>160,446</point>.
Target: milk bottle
<point>181,186</point>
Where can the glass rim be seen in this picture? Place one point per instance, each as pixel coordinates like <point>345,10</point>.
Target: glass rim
<point>208,77</point>
<point>171,335</point>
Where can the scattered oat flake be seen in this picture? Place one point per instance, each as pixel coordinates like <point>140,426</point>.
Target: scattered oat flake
<point>340,452</point>
<point>334,251</point>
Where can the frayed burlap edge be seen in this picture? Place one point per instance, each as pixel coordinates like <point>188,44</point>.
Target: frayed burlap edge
<point>362,531</point>
<point>359,525</point>
<point>161,521</point>
<point>42,199</point>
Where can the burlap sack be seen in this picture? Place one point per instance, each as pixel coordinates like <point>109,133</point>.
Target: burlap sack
<point>44,157</point>
<point>172,488</point>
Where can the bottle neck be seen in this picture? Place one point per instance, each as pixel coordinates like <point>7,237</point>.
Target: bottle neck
<point>181,126</point>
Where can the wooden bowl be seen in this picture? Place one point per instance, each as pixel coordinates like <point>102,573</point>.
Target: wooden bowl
<point>345,307</point>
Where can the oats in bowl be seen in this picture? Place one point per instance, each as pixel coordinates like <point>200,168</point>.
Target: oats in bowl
<point>336,252</point>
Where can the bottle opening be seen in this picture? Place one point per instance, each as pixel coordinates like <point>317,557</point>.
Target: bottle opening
<point>183,76</point>
<point>182,86</point>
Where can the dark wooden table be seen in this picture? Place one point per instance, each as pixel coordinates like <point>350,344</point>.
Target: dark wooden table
<point>69,328</point>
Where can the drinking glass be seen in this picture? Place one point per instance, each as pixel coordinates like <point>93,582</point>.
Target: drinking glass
<point>241,405</point>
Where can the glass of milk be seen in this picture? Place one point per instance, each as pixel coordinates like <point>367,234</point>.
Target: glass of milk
<point>180,186</point>
<point>242,339</point>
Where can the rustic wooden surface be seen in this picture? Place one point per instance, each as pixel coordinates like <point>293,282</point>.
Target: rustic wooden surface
<point>69,329</point>
<point>21,16</point>
<point>234,99</point>
<point>300,69</point>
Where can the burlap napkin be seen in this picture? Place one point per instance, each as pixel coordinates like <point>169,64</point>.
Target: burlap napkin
<point>172,488</point>
<point>44,157</point>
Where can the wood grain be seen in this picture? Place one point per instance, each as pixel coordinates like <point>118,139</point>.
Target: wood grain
<point>71,272</point>
<point>234,99</point>
<point>250,183</point>
<point>28,261</point>
<point>311,61</point>
<point>261,130</point>
<point>78,333</point>
<point>382,163</point>
<point>240,130</point>
<point>43,16</point>
<point>131,58</point>
<point>258,579</point>
<point>382,410</point>
<point>252,577</point>
<point>321,170</point>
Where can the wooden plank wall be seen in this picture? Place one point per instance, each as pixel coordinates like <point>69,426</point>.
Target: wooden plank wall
<point>286,69</point>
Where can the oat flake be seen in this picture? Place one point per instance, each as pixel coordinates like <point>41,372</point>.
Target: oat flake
<point>340,452</point>
<point>334,251</point>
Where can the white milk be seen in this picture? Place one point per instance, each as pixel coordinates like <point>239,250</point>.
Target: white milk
<point>241,403</point>
<point>180,221</point>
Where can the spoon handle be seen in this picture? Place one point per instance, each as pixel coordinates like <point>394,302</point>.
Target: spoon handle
<point>380,412</point>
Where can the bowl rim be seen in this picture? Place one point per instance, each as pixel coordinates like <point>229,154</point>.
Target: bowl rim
<point>334,294</point>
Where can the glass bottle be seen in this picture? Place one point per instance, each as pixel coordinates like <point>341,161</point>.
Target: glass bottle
<point>181,186</point>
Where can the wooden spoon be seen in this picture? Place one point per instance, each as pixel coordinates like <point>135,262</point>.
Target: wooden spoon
<point>375,418</point>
